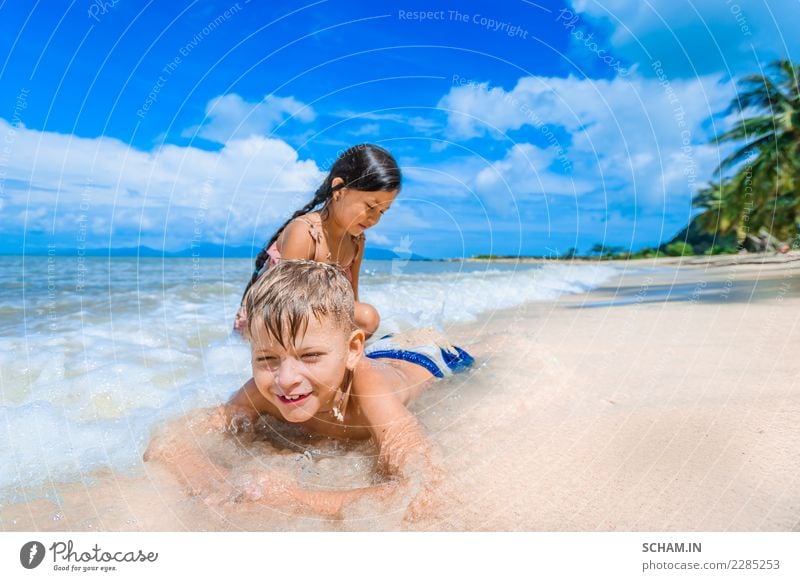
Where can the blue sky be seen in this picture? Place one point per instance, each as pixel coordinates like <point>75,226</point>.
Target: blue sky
<point>522,127</point>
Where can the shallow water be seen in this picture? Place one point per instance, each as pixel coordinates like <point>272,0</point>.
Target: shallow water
<point>97,353</point>
<point>457,414</point>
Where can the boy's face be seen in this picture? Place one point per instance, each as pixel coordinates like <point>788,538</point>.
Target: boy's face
<point>303,379</point>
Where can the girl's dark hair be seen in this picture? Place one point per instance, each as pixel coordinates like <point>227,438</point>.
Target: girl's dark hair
<point>364,167</point>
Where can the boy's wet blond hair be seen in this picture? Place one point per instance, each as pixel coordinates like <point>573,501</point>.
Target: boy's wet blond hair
<point>287,294</point>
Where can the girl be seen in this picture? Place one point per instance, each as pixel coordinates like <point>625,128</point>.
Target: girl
<point>359,189</point>
<point>310,368</point>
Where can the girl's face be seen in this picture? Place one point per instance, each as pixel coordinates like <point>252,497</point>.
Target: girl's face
<point>356,210</point>
<point>303,379</point>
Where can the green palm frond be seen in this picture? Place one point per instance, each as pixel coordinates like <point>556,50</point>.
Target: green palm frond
<point>748,129</point>
<point>764,192</point>
<point>740,155</point>
<point>758,92</point>
<point>791,78</point>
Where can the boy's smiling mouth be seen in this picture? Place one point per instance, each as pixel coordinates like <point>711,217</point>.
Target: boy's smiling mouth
<point>293,399</point>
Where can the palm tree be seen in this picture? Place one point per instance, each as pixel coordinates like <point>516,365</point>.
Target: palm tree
<point>719,215</point>
<point>764,190</point>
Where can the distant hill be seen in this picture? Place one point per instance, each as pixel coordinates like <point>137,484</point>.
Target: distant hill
<point>216,251</point>
<point>371,253</point>
<point>204,251</point>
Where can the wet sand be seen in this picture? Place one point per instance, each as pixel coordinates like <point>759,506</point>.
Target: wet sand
<point>666,400</point>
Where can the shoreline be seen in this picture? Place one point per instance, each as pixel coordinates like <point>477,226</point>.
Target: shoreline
<point>693,260</point>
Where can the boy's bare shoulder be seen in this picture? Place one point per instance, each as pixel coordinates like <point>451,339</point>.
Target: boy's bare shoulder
<point>373,375</point>
<point>381,376</point>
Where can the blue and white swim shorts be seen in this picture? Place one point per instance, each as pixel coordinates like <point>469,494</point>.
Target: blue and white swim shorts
<point>424,347</point>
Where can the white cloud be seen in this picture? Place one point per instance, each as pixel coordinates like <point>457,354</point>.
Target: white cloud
<point>378,239</point>
<point>422,124</point>
<point>697,36</point>
<point>367,129</point>
<point>442,181</point>
<point>526,170</point>
<point>632,135</point>
<point>230,117</point>
<point>474,110</point>
<point>172,191</point>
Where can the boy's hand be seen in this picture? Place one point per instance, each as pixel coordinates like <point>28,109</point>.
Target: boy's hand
<point>249,486</point>
<point>258,485</point>
<point>428,499</point>
<point>218,419</point>
<point>229,418</point>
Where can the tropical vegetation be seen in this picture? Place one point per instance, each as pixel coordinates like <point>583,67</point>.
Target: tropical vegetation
<point>758,185</point>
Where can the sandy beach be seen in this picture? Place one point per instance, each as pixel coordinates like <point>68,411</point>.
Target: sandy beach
<point>665,400</point>
<point>662,401</point>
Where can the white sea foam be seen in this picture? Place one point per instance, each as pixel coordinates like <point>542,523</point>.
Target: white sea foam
<point>406,301</point>
<point>86,373</point>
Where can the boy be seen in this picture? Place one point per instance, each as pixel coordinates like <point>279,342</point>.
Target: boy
<point>310,369</point>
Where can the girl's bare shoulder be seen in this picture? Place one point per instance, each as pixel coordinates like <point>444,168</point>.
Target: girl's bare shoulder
<point>299,240</point>
<point>311,220</point>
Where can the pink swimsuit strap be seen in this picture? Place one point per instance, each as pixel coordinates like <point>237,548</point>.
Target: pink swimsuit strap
<point>315,231</point>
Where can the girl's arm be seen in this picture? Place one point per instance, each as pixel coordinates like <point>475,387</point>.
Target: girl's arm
<point>367,316</point>
<point>356,267</point>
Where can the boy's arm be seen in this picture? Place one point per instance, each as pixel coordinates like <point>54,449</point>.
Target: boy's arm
<point>180,445</point>
<point>404,450</point>
<point>281,492</point>
<point>404,453</point>
<point>244,407</point>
